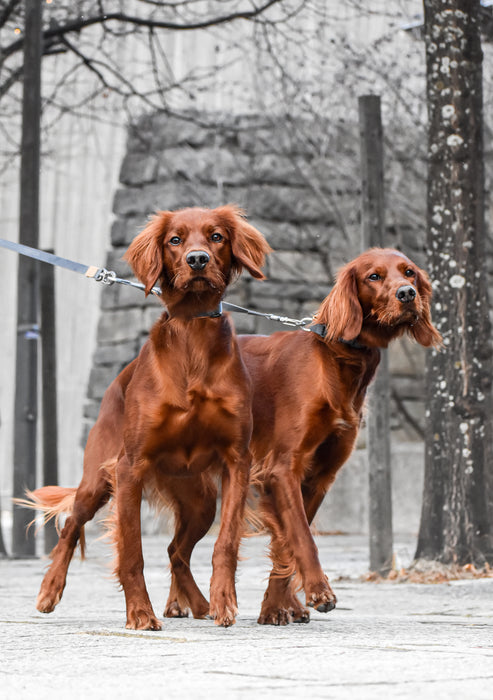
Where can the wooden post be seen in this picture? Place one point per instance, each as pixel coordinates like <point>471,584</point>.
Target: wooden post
<point>25,411</point>
<point>49,390</point>
<point>378,420</point>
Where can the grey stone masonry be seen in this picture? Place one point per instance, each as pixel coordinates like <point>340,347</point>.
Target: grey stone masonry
<point>293,190</point>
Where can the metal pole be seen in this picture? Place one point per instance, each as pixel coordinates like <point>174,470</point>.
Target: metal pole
<point>373,234</point>
<point>49,390</point>
<point>25,411</point>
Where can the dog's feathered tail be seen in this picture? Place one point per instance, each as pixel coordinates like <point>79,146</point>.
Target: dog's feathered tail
<point>53,502</point>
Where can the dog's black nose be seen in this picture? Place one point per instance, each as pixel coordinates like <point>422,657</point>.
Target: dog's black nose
<point>198,259</point>
<point>406,294</point>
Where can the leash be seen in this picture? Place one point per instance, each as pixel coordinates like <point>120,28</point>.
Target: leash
<point>109,277</point>
<point>285,320</point>
<point>100,274</point>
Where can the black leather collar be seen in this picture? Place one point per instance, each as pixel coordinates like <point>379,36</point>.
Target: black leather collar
<point>321,330</point>
<point>216,313</point>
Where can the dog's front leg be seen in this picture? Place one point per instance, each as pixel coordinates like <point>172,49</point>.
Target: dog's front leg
<point>223,603</point>
<point>130,564</point>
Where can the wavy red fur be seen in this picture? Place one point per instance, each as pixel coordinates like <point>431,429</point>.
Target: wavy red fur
<point>308,398</point>
<point>174,419</point>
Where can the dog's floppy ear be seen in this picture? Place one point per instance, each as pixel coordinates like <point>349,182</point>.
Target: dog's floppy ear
<point>423,330</point>
<point>145,253</point>
<point>248,245</point>
<point>341,311</point>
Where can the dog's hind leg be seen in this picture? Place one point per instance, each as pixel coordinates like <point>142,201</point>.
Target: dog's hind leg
<point>104,444</point>
<point>88,499</point>
<point>280,605</point>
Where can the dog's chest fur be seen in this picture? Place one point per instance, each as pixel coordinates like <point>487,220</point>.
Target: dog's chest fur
<point>197,415</point>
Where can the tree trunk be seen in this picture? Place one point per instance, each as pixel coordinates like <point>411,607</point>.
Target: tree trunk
<point>455,523</point>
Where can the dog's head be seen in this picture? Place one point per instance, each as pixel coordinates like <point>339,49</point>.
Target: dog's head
<point>195,253</point>
<point>377,297</point>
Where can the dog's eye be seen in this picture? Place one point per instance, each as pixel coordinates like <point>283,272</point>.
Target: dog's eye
<point>374,277</point>
<point>175,240</point>
<point>409,273</point>
<point>216,237</point>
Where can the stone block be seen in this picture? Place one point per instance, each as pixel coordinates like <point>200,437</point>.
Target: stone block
<point>116,353</point>
<point>167,194</point>
<point>154,132</point>
<point>319,237</point>
<point>309,308</point>
<point>207,165</point>
<point>237,293</point>
<point>121,296</point>
<point>115,262</point>
<point>128,202</point>
<point>271,138</point>
<point>124,230</point>
<point>169,131</point>
<point>291,204</point>
<point>138,169</point>
<point>243,323</point>
<point>279,235</point>
<point>119,325</point>
<point>292,291</point>
<point>294,265</point>
<point>99,380</point>
<point>128,296</point>
<point>275,168</point>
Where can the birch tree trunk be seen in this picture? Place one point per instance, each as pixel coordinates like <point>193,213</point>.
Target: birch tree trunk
<point>456,512</point>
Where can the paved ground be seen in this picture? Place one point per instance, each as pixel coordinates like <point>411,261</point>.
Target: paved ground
<point>383,640</point>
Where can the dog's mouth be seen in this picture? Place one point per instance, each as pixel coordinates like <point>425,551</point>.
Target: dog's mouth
<point>199,283</point>
<point>407,316</point>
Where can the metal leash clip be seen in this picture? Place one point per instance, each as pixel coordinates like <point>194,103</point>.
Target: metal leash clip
<point>105,276</point>
<point>289,321</point>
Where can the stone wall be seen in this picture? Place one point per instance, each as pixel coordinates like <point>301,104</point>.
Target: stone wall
<point>303,195</point>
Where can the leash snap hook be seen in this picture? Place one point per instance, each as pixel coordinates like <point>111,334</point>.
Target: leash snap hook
<point>286,321</point>
<point>105,276</point>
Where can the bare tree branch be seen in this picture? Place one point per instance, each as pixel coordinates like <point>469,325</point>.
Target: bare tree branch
<point>102,19</point>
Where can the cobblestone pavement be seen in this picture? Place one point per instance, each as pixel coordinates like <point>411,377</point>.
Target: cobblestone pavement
<point>383,640</point>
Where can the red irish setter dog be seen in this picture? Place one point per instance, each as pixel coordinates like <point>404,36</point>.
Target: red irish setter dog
<point>178,414</point>
<point>309,390</point>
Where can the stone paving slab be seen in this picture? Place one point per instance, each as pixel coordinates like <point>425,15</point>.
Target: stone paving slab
<point>383,640</point>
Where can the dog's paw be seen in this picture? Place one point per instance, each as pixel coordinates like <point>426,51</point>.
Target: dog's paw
<point>224,615</point>
<point>322,598</point>
<point>49,596</point>
<point>173,609</point>
<point>274,616</point>
<point>142,619</point>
